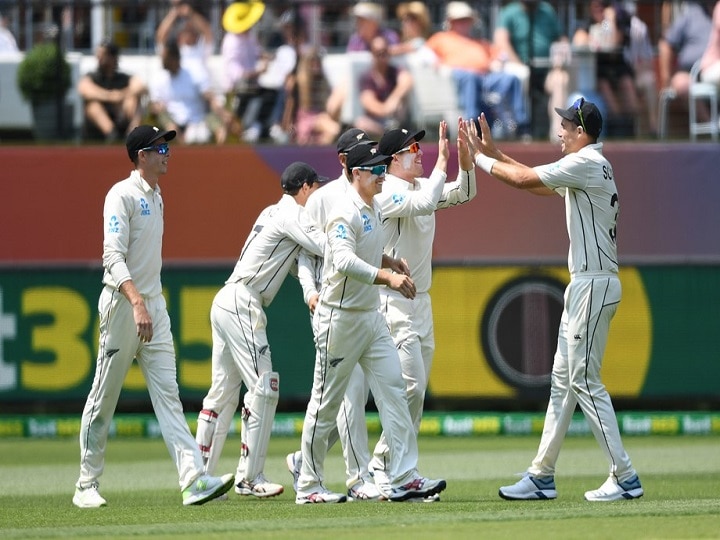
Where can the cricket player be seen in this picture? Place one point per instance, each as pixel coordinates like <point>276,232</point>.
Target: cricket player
<point>585,179</point>
<point>349,329</point>
<point>408,203</point>
<point>241,353</point>
<point>134,324</point>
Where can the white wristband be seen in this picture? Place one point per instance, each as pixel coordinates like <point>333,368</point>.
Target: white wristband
<point>484,162</point>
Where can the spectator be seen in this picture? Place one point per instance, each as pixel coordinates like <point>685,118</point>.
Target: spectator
<point>524,33</point>
<point>185,105</point>
<point>383,92</point>
<point>369,20</point>
<point>112,99</point>
<point>193,34</point>
<point>681,45</point>
<point>313,123</point>
<point>415,28</point>
<point>607,34</point>
<point>480,89</point>
<point>263,113</point>
<point>7,40</point>
<point>710,64</point>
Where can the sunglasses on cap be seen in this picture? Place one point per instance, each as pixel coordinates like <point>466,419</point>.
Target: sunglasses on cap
<point>377,170</point>
<point>578,107</point>
<point>414,148</point>
<point>161,148</point>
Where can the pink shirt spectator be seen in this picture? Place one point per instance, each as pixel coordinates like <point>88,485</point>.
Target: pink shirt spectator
<point>240,53</point>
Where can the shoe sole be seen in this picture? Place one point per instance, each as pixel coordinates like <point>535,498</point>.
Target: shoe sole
<point>308,501</point>
<point>420,494</point>
<point>250,493</point>
<point>540,495</point>
<point>624,496</point>
<point>212,496</point>
<point>84,506</point>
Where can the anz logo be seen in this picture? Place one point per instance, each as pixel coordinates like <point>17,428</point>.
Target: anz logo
<point>144,207</point>
<point>398,198</point>
<point>114,225</point>
<point>367,225</point>
<point>341,232</point>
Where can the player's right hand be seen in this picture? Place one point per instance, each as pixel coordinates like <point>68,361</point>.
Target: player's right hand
<point>403,284</point>
<point>143,323</point>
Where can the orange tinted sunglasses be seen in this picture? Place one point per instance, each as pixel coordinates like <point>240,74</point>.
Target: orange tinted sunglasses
<point>414,148</point>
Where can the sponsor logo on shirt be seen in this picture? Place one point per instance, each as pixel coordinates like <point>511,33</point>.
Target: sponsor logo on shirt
<point>114,225</point>
<point>341,232</point>
<point>367,225</point>
<point>144,207</point>
<point>397,198</point>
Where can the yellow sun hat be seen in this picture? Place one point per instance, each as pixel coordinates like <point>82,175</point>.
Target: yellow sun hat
<point>240,17</point>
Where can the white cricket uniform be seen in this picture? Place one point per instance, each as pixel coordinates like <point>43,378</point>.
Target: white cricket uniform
<point>351,417</point>
<point>585,179</point>
<point>349,329</point>
<point>408,211</point>
<point>132,250</point>
<point>241,352</point>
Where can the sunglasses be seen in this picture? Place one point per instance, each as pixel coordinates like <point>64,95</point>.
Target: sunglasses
<point>377,170</point>
<point>161,149</point>
<point>414,148</point>
<point>578,107</point>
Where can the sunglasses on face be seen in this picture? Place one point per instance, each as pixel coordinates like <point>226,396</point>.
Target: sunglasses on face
<point>578,107</point>
<point>161,149</point>
<point>414,148</point>
<point>377,170</point>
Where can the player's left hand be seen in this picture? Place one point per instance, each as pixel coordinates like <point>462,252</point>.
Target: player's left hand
<point>483,141</point>
<point>464,148</point>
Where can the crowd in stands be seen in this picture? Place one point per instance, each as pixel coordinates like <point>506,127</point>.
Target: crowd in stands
<point>278,90</point>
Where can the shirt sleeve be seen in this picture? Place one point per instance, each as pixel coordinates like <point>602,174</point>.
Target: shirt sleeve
<point>308,265</point>
<point>342,233</point>
<point>421,202</point>
<point>570,171</point>
<point>462,190</point>
<point>300,228</point>
<point>116,216</point>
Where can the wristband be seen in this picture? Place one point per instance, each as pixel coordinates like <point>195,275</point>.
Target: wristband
<point>485,163</point>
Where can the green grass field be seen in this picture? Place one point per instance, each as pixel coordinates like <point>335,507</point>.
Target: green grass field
<point>680,475</point>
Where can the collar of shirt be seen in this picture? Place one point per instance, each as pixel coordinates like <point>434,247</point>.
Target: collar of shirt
<point>142,183</point>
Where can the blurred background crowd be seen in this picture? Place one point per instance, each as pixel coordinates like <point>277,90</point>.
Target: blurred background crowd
<point>302,71</point>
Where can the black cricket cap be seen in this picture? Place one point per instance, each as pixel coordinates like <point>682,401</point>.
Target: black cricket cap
<point>365,155</point>
<point>591,117</point>
<point>298,173</point>
<point>351,138</point>
<point>396,139</point>
<point>144,136</point>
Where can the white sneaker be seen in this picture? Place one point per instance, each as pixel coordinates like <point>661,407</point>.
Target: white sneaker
<point>260,487</point>
<point>88,497</point>
<point>616,491</point>
<point>321,496</point>
<point>418,487</point>
<point>382,482</point>
<point>294,461</point>
<point>365,490</point>
<point>206,488</point>
<point>530,487</point>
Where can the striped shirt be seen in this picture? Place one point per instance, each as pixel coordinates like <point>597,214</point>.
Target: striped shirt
<point>273,245</point>
<point>587,182</point>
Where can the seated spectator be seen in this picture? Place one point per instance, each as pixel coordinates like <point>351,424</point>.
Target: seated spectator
<point>710,63</point>
<point>384,89</point>
<point>499,95</point>
<point>186,105</point>
<point>313,123</point>
<point>111,98</point>
<point>681,45</point>
<point>369,20</point>
<point>415,28</point>
<point>263,112</point>
<point>607,33</point>
<point>191,31</point>
<point>519,54</point>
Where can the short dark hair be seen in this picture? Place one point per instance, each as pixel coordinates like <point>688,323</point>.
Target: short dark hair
<point>111,47</point>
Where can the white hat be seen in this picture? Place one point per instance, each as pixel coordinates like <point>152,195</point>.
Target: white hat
<point>368,10</point>
<point>459,10</point>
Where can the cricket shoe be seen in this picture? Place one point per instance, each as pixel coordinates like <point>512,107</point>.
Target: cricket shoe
<point>294,461</point>
<point>418,487</point>
<point>321,496</point>
<point>260,487</point>
<point>206,488</point>
<point>382,482</point>
<point>365,490</point>
<point>88,497</point>
<point>528,488</point>
<point>612,490</point>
